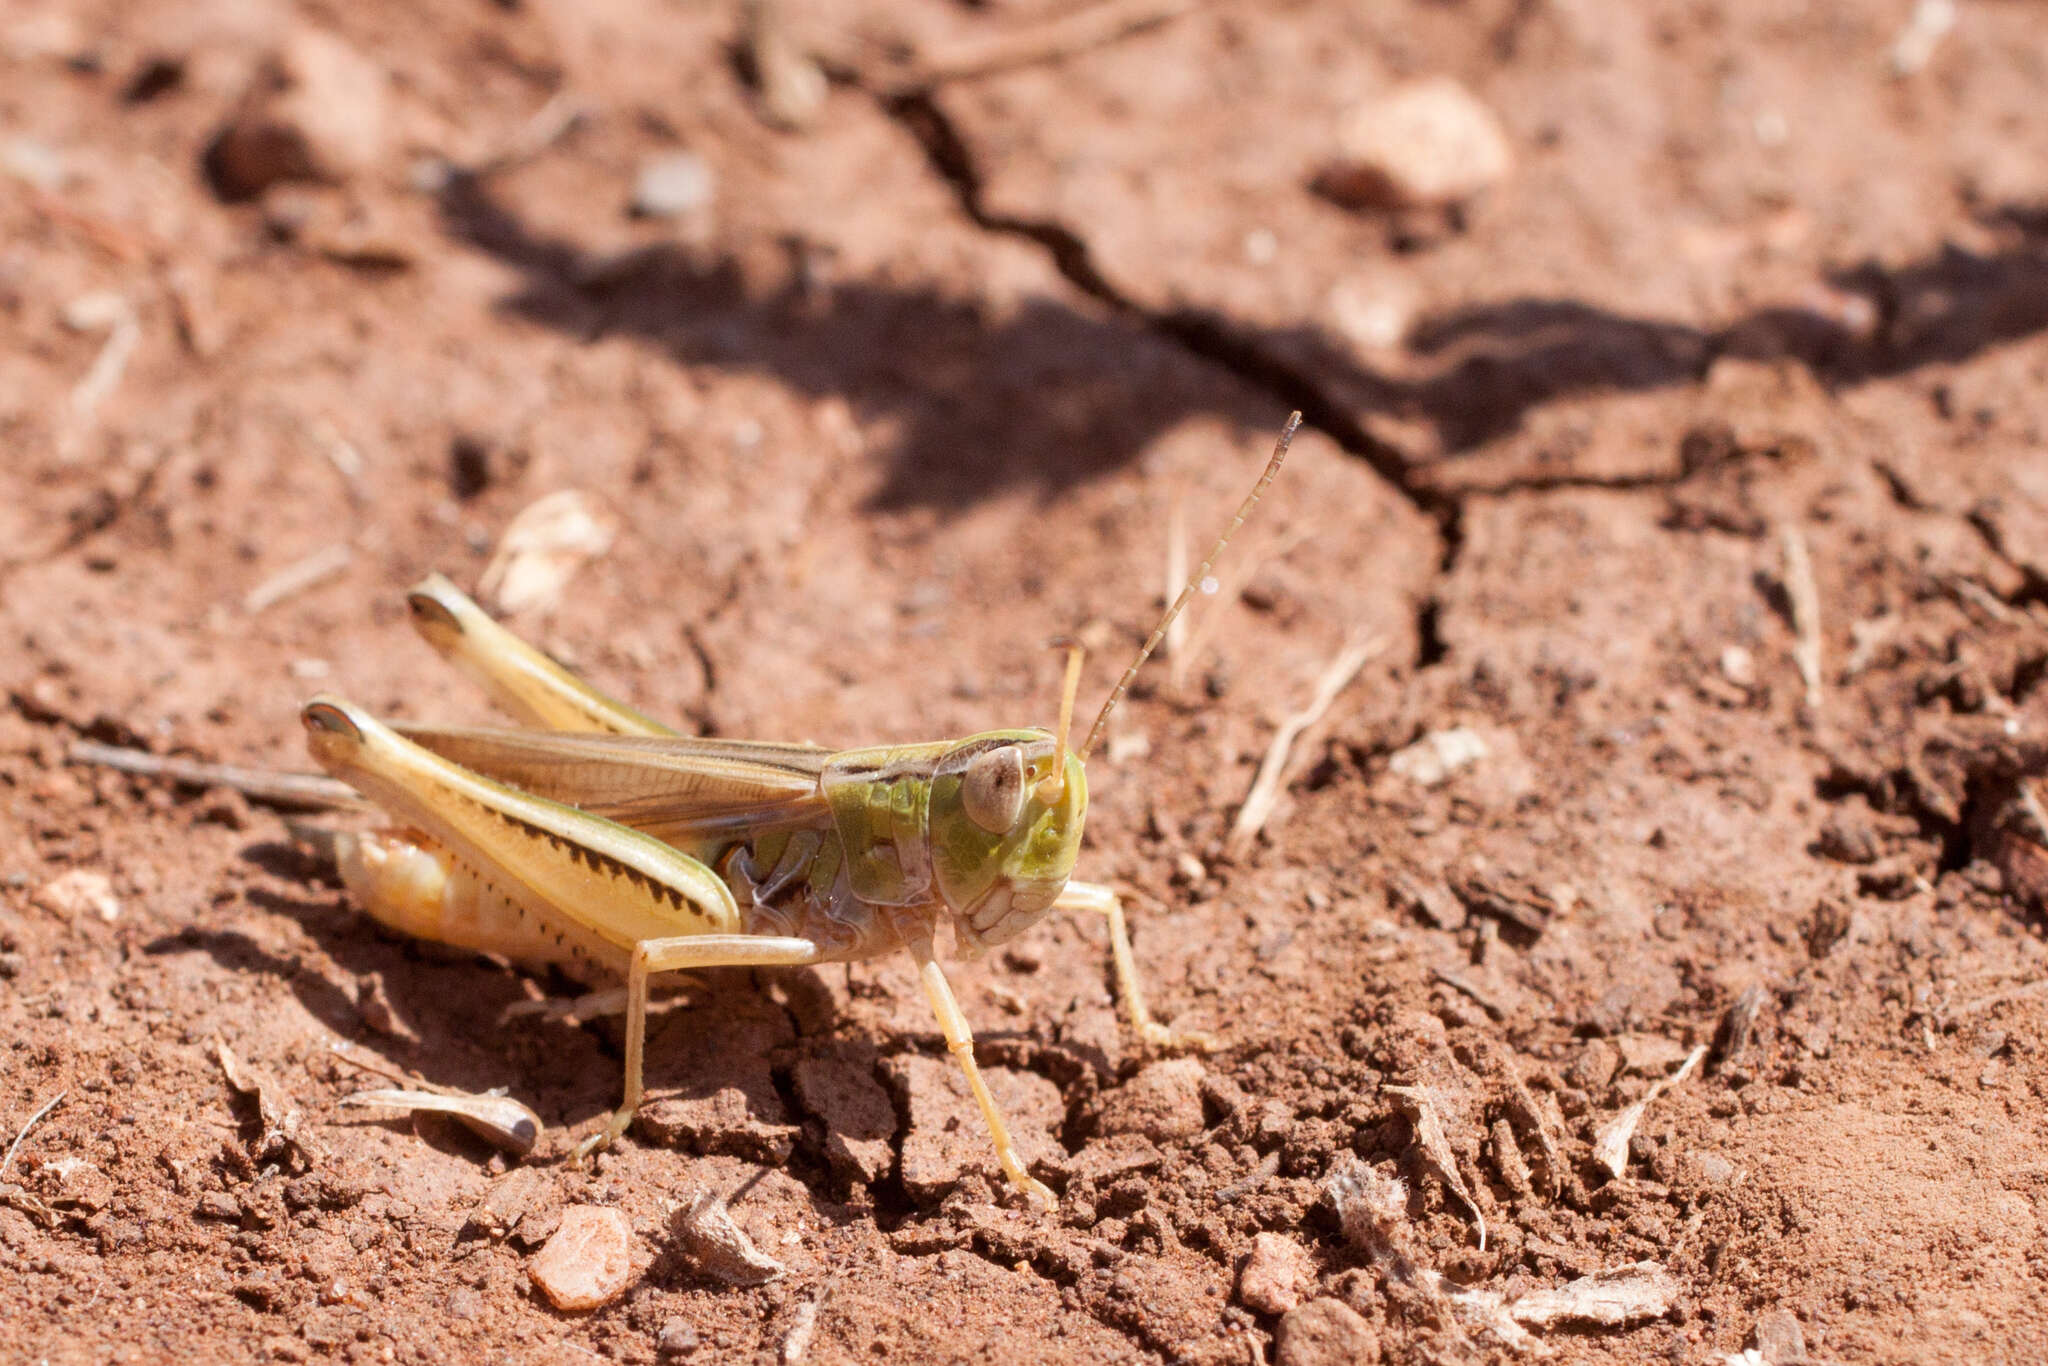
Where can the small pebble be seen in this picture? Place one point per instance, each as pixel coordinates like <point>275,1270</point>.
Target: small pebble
<point>677,1339</point>
<point>588,1261</point>
<point>1426,144</point>
<point>73,894</point>
<point>674,185</point>
<point>1276,1276</point>
<point>1779,1339</point>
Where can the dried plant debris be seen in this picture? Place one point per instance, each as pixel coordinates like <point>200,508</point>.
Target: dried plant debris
<point>1802,596</point>
<point>803,1329</point>
<point>1610,1148</point>
<point>14,1196</point>
<point>1420,1107</point>
<point>1372,1209</point>
<point>52,1103</point>
<point>293,791</point>
<point>504,1123</point>
<point>282,1122</point>
<point>543,548</point>
<point>1265,790</point>
<point>1738,1026</point>
<point>297,577</point>
<point>589,1260</point>
<point>79,892</point>
<point>719,1246</point>
<point>1032,43</point>
<point>1618,1298</point>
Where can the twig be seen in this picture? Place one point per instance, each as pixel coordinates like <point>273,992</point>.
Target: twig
<point>1997,998</point>
<point>1610,1146</point>
<point>296,791</point>
<point>297,577</point>
<point>1982,598</point>
<point>1049,41</point>
<point>1265,789</point>
<point>343,455</point>
<point>1268,1168</point>
<point>549,124</point>
<point>33,1120</point>
<point>1804,599</point>
<point>124,334</point>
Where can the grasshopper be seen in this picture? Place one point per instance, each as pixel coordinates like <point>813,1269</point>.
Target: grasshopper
<point>608,845</point>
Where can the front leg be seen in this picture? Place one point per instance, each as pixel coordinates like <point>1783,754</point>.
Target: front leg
<point>1093,896</point>
<point>960,1043</point>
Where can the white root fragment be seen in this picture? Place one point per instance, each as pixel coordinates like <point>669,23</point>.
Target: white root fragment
<point>1436,1146</point>
<point>1803,596</point>
<point>717,1243</point>
<point>543,548</point>
<point>297,577</point>
<point>500,1121</point>
<point>1610,1148</point>
<point>1637,1293</point>
<point>37,1118</point>
<point>1265,789</point>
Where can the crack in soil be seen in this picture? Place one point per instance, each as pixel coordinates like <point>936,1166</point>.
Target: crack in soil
<point>1201,333</point>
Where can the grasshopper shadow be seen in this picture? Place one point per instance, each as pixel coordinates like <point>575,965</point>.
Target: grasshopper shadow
<point>1039,397</point>
<point>709,1078</point>
<point>1053,392</point>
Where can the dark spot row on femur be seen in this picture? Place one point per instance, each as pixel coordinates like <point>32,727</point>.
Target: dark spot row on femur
<point>595,860</point>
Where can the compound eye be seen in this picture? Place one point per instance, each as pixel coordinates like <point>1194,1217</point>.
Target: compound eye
<point>992,790</point>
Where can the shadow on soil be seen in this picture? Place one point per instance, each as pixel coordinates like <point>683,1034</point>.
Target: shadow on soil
<point>717,1052</point>
<point>1055,393</point>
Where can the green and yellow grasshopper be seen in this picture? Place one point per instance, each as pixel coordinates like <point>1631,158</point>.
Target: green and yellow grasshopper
<point>610,846</point>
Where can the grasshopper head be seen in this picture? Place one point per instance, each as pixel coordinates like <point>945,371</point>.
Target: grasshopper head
<point>1003,837</point>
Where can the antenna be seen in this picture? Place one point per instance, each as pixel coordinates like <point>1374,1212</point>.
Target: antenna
<point>1054,785</point>
<point>1244,510</point>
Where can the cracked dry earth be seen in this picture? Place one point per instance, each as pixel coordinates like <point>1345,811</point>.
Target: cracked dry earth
<point>1739,376</point>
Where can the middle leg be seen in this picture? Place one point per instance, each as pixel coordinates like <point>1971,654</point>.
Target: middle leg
<point>683,952</point>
